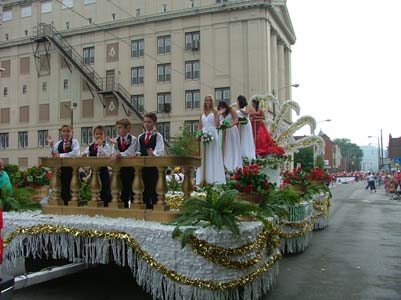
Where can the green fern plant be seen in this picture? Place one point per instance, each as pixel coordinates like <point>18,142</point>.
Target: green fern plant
<point>18,201</point>
<point>218,210</point>
<point>278,201</point>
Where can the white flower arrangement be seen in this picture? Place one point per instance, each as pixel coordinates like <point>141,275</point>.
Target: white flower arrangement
<point>205,136</point>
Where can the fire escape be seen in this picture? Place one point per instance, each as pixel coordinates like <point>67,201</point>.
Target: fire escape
<point>103,87</point>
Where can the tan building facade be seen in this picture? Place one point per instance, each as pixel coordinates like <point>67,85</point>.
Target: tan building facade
<point>167,55</point>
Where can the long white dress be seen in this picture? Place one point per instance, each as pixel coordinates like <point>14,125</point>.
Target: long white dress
<point>232,145</point>
<point>214,159</point>
<point>246,136</point>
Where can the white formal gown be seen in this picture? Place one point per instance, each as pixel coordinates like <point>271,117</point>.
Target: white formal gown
<point>246,136</point>
<point>214,158</point>
<point>232,146</point>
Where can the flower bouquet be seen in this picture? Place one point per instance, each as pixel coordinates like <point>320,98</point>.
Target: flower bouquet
<point>33,177</point>
<point>248,179</point>
<point>204,136</point>
<point>224,124</point>
<point>243,121</point>
<point>319,176</point>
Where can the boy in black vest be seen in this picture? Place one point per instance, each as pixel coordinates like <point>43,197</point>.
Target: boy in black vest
<point>125,145</point>
<point>100,148</point>
<point>150,144</point>
<point>66,147</point>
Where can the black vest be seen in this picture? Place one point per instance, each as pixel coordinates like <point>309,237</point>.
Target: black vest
<point>60,148</point>
<point>92,151</point>
<point>128,140</point>
<point>144,147</point>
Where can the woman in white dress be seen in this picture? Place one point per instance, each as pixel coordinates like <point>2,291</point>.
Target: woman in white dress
<point>245,130</point>
<point>229,137</point>
<point>213,161</point>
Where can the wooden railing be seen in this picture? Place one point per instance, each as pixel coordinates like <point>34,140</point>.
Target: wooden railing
<point>95,163</point>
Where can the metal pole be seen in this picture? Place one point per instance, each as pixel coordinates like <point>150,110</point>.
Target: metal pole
<point>381,137</point>
<point>378,150</point>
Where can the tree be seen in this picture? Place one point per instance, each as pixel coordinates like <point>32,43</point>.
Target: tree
<point>352,154</point>
<point>304,157</point>
<point>185,144</point>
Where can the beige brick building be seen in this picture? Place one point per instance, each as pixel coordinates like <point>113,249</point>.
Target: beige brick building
<point>113,58</point>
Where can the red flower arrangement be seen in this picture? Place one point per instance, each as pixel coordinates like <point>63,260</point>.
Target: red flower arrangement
<point>317,174</point>
<point>33,177</point>
<point>248,179</point>
<point>273,149</point>
<point>296,177</point>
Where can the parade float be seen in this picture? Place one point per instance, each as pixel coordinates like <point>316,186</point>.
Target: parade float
<point>213,243</point>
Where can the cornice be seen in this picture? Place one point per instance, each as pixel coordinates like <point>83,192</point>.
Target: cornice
<point>227,6</point>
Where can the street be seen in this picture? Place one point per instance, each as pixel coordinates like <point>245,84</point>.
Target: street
<point>357,257</point>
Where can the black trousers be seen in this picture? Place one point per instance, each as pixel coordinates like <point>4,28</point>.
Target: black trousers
<point>105,193</point>
<point>127,176</point>
<point>65,176</point>
<point>149,176</point>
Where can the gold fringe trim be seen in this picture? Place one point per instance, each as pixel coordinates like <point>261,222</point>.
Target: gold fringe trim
<point>173,275</point>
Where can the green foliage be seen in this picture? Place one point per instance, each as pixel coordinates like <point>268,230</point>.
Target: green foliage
<point>351,153</point>
<point>184,144</point>
<point>86,193</point>
<point>315,189</point>
<point>305,158</point>
<point>218,210</point>
<point>12,171</point>
<point>19,201</point>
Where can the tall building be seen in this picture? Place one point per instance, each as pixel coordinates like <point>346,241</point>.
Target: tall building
<point>98,61</point>
<point>370,160</point>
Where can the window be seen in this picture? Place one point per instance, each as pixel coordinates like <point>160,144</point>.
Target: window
<point>68,4</point>
<point>192,69</point>
<point>138,102</point>
<point>138,12</point>
<point>24,88</point>
<point>164,129</point>
<point>137,75</point>
<point>192,41</point>
<point>3,140</point>
<point>90,20</point>
<point>192,99</point>
<point>221,1</point>
<point>6,36</point>
<point>89,55</point>
<point>164,8</point>
<point>164,73</point>
<point>46,7</point>
<point>222,94</point>
<point>89,1</point>
<point>86,135</point>
<point>44,86</point>
<point>137,48</point>
<point>5,91</point>
<point>23,139</point>
<point>67,25</point>
<point>192,3</point>
<point>65,84</point>
<point>113,16</point>
<point>164,44</point>
<point>111,131</point>
<point>42,138</point>
<point>163,102</point>
<point>192,126</point>
<point>7,15</point>
<point>26,11</point>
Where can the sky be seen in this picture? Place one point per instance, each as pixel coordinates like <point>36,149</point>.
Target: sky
<point>347,61</point>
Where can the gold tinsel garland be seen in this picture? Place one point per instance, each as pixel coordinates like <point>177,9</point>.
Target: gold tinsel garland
<point>175,201</point>
<point>173,275</point>
<point>301,224</point>
<point>221,256</point>
<point>289,235</point>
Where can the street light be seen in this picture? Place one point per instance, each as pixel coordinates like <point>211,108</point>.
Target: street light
<point>71,109</point>
<point>378,151</point>
<point>275,92</point>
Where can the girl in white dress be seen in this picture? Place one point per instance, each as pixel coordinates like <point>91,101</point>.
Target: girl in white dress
<point>245,130</point>
<point>213,162</point>
<point>229,137</point>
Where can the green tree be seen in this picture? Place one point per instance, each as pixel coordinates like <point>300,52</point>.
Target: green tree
<point>304,157</point>
<point>184,144</point>
<point>351,154</point>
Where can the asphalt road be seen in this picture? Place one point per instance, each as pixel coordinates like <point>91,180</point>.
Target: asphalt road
<point>357,257</point>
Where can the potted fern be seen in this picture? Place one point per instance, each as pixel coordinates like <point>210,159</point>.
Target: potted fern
<point>220,210</point>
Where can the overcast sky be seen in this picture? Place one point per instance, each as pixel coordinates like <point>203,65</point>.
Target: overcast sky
<point>347,62</point>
